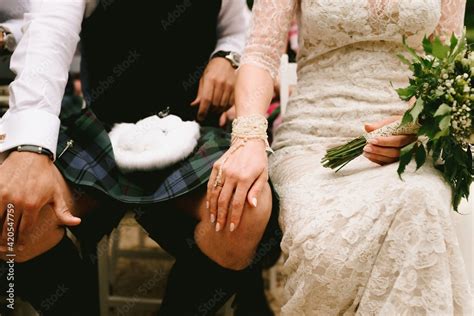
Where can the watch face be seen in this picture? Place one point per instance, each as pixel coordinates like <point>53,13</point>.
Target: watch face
<point>10,42</point>
<point>234,58</point>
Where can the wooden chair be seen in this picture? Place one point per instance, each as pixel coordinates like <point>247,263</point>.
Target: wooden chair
<point>109,252</point>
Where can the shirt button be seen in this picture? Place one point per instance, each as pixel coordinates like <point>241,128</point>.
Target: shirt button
<point>2,137</point>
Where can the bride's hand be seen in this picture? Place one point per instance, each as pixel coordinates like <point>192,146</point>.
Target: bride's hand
<point>244,175</point>
<point>385,150</point>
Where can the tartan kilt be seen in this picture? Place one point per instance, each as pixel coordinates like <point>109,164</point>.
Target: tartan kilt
<point>90,161</point>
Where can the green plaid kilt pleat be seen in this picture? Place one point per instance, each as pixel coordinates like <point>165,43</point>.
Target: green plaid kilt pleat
<point>90,162</point>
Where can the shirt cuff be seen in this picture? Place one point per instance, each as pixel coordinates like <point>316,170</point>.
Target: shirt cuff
<point>225,47</point>
<point>228,45</point>
<point>29,127</point>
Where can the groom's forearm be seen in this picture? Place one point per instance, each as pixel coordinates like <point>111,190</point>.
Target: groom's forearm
<point>41,62</point>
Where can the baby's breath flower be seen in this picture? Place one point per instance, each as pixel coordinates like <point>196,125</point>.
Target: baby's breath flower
<point>461,123</point>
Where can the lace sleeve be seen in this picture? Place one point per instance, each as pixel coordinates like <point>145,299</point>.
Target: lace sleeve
<point>269,33</point>
<point>452,18</point>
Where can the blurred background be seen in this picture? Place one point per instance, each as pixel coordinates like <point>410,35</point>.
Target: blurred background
<point>470,20</point>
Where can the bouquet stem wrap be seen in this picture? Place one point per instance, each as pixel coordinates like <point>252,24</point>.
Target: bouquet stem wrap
<point>338,157</point>
<point>395,128</point>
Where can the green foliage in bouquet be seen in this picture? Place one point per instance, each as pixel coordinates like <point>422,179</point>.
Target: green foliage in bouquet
<point>442,115</point>
<point>442,86</point>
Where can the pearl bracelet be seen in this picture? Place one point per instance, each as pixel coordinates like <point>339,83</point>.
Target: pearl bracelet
<point>244,128</point>
<point>251,127</point>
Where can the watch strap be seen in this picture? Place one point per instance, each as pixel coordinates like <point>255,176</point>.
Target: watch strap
<point>233,58</point>
<point>36,149</point>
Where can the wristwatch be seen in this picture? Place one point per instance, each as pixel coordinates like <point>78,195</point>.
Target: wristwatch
<point>9,42</point>
<point>232,57</point>
<point>35,149</point>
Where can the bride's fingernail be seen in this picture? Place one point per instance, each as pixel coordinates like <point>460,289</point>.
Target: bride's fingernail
<point>218,227</point>
<point>254,202</point>
<point>213,218</point>
<point>232,227</point>
<point>373,141</point>
<point>368,149</point>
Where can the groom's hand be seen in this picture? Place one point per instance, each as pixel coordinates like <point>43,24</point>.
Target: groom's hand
<point>216,87</point>
<point>28,182</point>
<point>385,150</point>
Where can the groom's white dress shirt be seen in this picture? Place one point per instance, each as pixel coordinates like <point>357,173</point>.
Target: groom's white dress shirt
<point>42,58</point>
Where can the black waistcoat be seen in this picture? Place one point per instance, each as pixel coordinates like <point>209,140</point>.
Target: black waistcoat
<point>142,56</point>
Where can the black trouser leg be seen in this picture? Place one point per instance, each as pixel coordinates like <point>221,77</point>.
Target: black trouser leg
<point>198,286</point>
<point>250,299</point>
<point>57,282</point>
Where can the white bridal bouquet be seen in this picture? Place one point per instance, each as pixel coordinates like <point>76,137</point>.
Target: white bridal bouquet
<point>442,116</point>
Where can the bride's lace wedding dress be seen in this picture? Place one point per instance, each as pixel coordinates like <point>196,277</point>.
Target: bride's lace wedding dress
<point>359,241</point>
